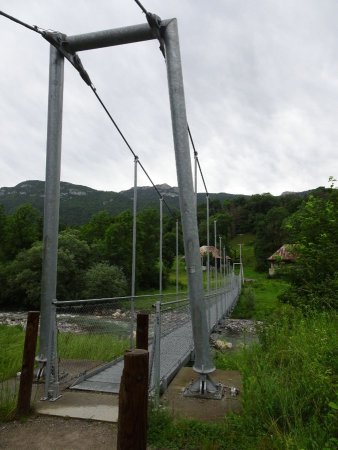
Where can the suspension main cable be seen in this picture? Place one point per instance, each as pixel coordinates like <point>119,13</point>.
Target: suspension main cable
<point>24,24</point>
<point>112,119</point>
<point>58,40</point>
<point>129,146</point>
<point>156,27</point>
<point>154,186</point>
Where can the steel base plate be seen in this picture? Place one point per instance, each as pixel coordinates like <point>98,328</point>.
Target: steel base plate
<point>204,387</point>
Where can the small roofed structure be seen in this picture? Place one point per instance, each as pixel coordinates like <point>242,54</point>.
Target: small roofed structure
<point>209,249</point>
<point>205,249</point>
<point>285,254</point>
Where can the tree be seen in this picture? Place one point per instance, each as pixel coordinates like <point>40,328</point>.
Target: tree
<point>148,248</point>
<point>23,228</point>
<point>94,231</point>
<point>22,276</point>
<point>73,260</point>
<point>102,280</point>
<point>314,228</point>
<point>270,235</point>
<point>3,230</point>
<point>118,242</point>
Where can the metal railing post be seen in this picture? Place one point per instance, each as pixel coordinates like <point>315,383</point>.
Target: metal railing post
<point>208,245</point>
<point>224,263</point>
<point>216,269</point>
<point>241,265</point>
<point>161,247</point>
<point>195,161</point>
<point>157,354</point>
<point>220,260</point>
<point>177,261</point>
<point>133,264</point>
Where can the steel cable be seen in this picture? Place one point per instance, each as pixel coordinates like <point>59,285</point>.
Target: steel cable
<point>86,78</point>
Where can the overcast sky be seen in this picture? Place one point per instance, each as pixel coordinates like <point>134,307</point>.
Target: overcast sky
<point>261,87</point>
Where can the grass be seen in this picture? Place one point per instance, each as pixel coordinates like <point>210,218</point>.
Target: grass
<point>289,384</point>
<point>8,401</point>
<point>95,347</point>
<point>170,434</point>
<point>289,377</point>
<point>11,345</point>
<point>259,298</point>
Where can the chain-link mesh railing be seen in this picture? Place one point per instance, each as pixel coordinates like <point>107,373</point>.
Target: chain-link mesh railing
<point>222,301</point>
<point>173,341</point>
<point>88,336</point>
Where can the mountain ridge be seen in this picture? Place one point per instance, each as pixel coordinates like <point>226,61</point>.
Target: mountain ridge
<point>78,202</point>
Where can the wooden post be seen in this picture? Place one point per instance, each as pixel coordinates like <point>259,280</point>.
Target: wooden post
<point>27,371</point>
<point>142,327</point>
<point>133,402</point>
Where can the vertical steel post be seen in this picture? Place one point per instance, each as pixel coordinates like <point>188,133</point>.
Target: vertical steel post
<point>220,275</point>
<point>203,363</point>
<point>52,365</point>
<point>208,263</point>
<point>52,195</point>
<point>177,262</point>
<point>195,161</point>
<point>157,354</point>
<point>224,266</point>
<point>133,264</point>
<point>161,247</point>
<point>215,231</point>
<point>241,272</point>
<point>208,245</point>
<point>220,259</point>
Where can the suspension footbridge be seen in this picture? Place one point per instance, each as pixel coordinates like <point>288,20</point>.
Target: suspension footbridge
<point>172,349</point>
<point>171,343</point>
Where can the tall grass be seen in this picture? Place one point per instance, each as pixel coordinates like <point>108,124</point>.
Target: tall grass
<point>11,347</point>
<point>259,298</point>
<point>289,380</point>
<point>95,347</point>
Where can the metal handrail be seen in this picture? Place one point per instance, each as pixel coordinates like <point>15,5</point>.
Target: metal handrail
<point>109,299</point>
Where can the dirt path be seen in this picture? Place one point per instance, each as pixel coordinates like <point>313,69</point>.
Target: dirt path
<point>55,433</point>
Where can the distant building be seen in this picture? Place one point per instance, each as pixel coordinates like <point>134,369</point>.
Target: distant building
<point>285,254</point>
<point>205,249</point>
<point>214,251</point>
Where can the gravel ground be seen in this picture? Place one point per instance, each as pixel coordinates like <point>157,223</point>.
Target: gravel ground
<point>55,433</point>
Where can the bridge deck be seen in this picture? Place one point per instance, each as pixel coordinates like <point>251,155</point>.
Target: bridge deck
<point>176,348</point>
